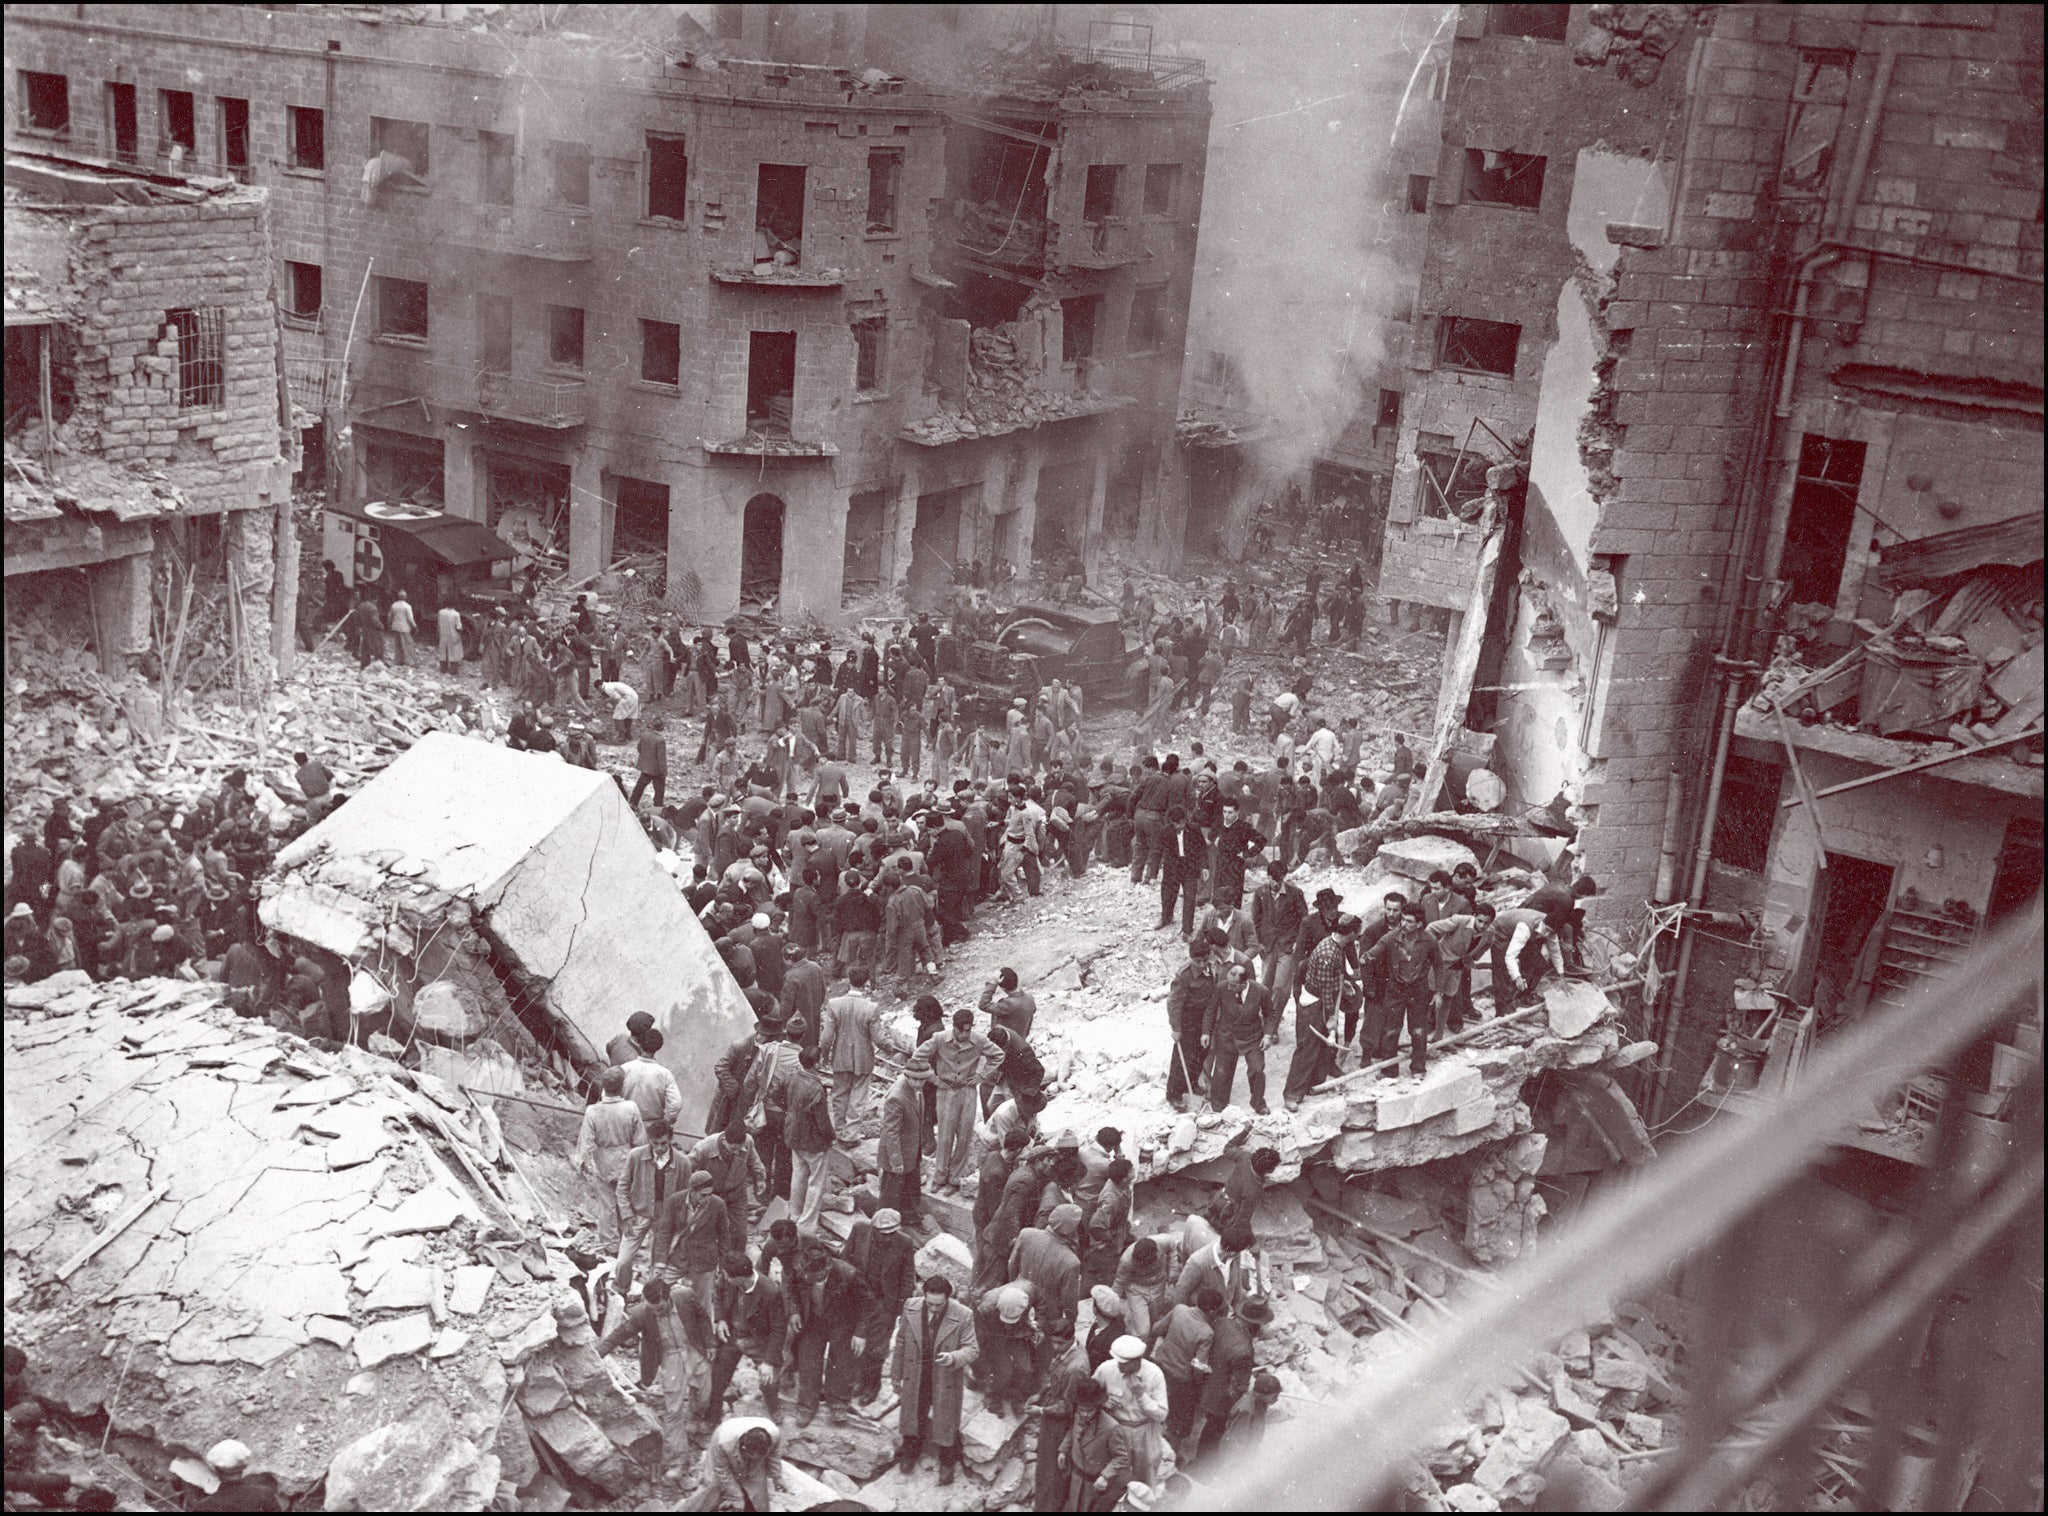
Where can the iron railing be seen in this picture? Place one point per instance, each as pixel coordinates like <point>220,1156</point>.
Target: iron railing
<point>536,400</point>
<point>559,233</point>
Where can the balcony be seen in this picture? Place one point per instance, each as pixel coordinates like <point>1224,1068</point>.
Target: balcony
<point>1109,243</point>
<point>547,402</point>
<point>560,234</point>
<point>781,276</point>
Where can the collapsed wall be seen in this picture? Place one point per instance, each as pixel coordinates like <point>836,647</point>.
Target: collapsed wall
<point>486,899</point>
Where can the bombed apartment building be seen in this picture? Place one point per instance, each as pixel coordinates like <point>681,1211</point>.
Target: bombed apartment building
<point>148,466</point>
<point>1733,329</point>
<point>1298,344</point>
<point>729,304</point>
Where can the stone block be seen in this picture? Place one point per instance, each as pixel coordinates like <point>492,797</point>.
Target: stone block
<point>1594,1450</point>
<point>861,1449</point>
<point>1419,857</point>
<point>948,1255</point>
<point>1645,1431</point>
<point>1569,1484</point>
<point>1388,1213</point>
<point>1444,1088</point>
<point>1572,1006</point>
<point>1512,1468</point>
<point>403,1287</point>
<point>418,1464</point>
<point>1576,1349</point>
<point>1475,1116</point>
<point>1620,1374</point>
<point>581,1444</point>
<point>393,1338</point>
<point>1571,1402</point>
<point>470,1286</point>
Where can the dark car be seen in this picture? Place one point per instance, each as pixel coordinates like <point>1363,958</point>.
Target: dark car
<point>1037,644</point>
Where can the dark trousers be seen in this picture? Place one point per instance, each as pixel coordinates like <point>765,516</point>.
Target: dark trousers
<point>1409,1003</point>
<point>725,1358</point>
<point>1313,1059</point>
<point>1223,1074</point>
<point>1049,1476</point>
<point>660,783</point>
<point>951,907</point>
<point>1184,1070</point>
<point>1149,833</point>
<point>824,1360</point>
<point>874,1351</point>
<point>900,1194</point>
<point>1032,877</point>
<point>1183,1400</point>
<point>774,1156</point>
<point>1171,887</point>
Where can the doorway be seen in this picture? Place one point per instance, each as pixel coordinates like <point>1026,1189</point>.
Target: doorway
<point>866,512</point>
<point>761,550</point>
<point>1059,532</point>
<point>934,543</point>
<point>2018,879</point>
<point>1850,900</point>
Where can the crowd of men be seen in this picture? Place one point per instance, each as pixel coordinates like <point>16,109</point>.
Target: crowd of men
<point>823,901</point>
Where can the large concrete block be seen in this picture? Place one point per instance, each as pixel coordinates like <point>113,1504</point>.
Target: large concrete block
<point>1445,1087</point>
<point>1419,857</point>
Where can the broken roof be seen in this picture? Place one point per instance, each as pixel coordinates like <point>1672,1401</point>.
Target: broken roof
<point>2014,542</point>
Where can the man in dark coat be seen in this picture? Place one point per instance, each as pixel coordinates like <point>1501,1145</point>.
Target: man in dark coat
<point>935,1344</point>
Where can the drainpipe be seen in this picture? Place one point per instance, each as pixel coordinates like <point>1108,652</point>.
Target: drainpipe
<point>1667,855</point>
<point>1750,537</point>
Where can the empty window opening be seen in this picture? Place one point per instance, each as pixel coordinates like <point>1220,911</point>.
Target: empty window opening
<point>1061,521</point>
<point>24,377</point>
<point>1749,810</point>
<point>1823,518</point>
<point>640,523</point>
<point>302,291</point>
<point>307,148</point>
<point>1098,201</point>
<point>202,356</point>
<point>996,188</point>
<point>668,178</point>
<point>1147,332</point>
<point>571,165</point>
<point>1451,488</point>
<point>1389,412</point>
<point>1820,94</point>
<point>866,513</point>
<point>494,333</point>
<point>1483,347</point>
<point>46,101</point>
<point>761,547</point>
<point>771,382</point>
<point>495,177</point>
<point>1077,327</point>
<point>1418,193</point>
<point>1496,178</point>
<point>779,215</point>
<point>400,467</point>
<point>402,309</point>
<point>1124,495</point>
<point>661,352</point>
<point>526,497</point>
<point>1544,23</point>
<point>405,148</point>
<point>177,129</point>
<point>869,339</point>
<point>1162,188</point>
<point>565,336</point>
<point>885,180</point>
<point>123,134</point>
<point>234,136</point>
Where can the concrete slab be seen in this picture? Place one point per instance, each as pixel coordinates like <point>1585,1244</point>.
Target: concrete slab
<point>1445,1087</point>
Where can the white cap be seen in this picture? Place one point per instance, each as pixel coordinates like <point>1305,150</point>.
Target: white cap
<point>228,1457</point>
<point>761,921</point>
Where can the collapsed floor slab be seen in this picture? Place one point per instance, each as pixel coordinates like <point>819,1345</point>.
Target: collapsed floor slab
<point>468,882</point>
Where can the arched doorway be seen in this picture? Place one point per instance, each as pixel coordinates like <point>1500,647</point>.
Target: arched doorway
<point>761,550</point>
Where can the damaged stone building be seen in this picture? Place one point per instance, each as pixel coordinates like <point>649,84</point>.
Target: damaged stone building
<point>1731,321</point>
<point>148,462</point>
<point>735,297</point>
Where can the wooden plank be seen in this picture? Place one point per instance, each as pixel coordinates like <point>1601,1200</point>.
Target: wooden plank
<point>135,1212</point>
<point>1914,768</point>
<point>1454,695</point>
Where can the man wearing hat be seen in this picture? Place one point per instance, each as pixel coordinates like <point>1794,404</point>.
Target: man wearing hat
<point>887,1260</point>
<point>1096,1453</point>
<point>1230,1369</point>
<point>1137,1402</point>
<point>1189,1010</point>
<point>1047,1259</point>
<point>899,1151</point>
<point>1008,1338</point>
<point>935,1344</point>
<point>738,1176</point>
<point>749,1319</point>
<point>623,1047</point>
<point>828,1306</point>
<point>693,1231</point>
<point>239,1490</point>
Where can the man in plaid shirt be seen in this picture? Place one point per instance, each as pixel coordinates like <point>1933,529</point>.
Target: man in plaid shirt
<point>1323,981</point>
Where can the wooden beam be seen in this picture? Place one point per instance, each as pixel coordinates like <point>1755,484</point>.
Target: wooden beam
<point>1914,768</point>
<point>134,1214</point>
<point>1454,695</point>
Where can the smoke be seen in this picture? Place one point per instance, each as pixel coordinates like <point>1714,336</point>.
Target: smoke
<point>1294,282</point>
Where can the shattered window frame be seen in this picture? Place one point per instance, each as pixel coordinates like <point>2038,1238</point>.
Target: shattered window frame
<point>1100,192</point>
<point>404,310</point>
<point>1445,497</point>
<point>497,168</point>
<point>1461,343</point>
<point>236,135</point>
<point>1515,182</point>
<point>1077,338</point>
<point>870,354</point>
<point>391,134</point>
<point>124,121</point>
<point>661,344</point>
<point>669,186</point>
<point>885,190</point>
<point>568,337</point>
<point>306,139</point>
<point>177,123</point>
<point>45,102</point>
<point>772,186</point>
<point>569,173</point>
<point>298,276</point>
<point>1747,818</point>
<point>1389,412</point>
<point>202,356</point>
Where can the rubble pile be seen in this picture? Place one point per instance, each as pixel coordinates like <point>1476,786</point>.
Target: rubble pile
<point>217,1229</point>
<point>1003,392</point>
